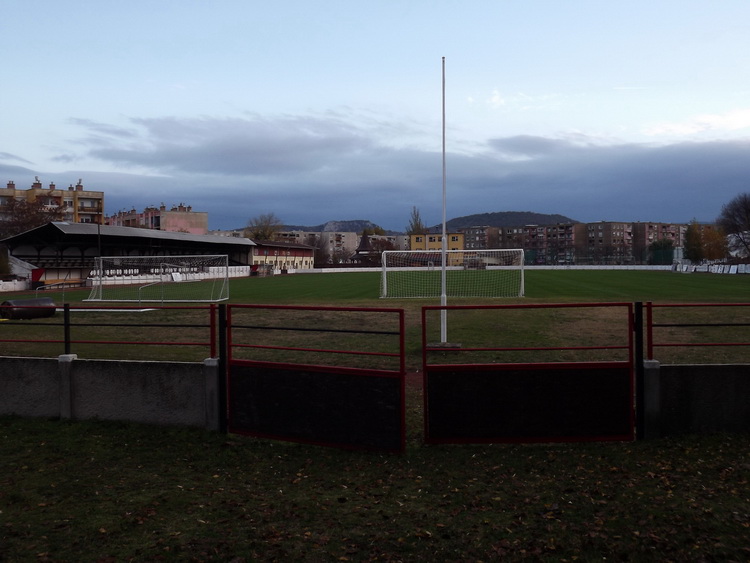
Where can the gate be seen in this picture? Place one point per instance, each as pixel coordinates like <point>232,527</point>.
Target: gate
<point>485,385</point>
<point>323,375</point>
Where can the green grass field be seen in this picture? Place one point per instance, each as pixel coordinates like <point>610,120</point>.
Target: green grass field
<point>544,285</point>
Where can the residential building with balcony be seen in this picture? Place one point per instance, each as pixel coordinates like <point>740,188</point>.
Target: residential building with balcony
<point>178,219</point>
<point>607,242</point>
<point>339,246</point>
<point>480,237</point>
<point>78,204</point>
<point>645,234</point>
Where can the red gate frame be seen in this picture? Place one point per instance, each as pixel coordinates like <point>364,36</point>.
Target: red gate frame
<point>433,368</point>
<point>303,369</point>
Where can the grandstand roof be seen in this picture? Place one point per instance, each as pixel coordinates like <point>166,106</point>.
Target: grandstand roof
<point>59,229</point>
<point>49,244</point>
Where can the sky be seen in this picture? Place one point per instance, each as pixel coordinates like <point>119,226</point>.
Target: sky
<point>331,110</point>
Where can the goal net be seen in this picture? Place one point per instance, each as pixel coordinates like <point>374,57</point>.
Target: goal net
<point>469,273</point>
<point>160,279</point>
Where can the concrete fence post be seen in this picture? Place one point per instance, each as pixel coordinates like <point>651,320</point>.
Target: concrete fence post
<point>65,365</point>
<point>652,400</point>
<point>211,375</point>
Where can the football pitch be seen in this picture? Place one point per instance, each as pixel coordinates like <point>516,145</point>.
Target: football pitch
<point>363,288</point>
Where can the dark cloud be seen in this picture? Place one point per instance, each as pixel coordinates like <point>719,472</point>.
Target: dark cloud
<point>308,170</point>
<point>9,156</point>
<point>529,146</point>
<point>245,147</point>
<point>105,129</point>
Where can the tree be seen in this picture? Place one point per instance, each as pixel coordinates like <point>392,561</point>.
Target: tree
<point>263,227</point>
<point>734,220</point>
<point>693,242</point>
<point>661,252</point>
<point>416,226</point>
<point>18,216</point>
<point>379,245</point>
<point>322,256</point>
<point>714,244</point>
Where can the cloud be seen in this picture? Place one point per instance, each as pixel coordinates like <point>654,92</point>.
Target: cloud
<point>247,147</point>
<point>105,129</point>
<point>496,99</point>
<point>730,121</point>
<point>309,170</point>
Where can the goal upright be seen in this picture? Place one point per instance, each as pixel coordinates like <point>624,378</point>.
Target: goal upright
<point>489,273</point>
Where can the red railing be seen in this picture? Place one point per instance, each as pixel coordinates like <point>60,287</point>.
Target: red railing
<point>625,345</point>
<point>736,321</point>
<point>71,321</point>
<point>254,321</point>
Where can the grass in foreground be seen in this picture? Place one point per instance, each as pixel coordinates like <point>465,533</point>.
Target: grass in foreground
<point>89,491</point>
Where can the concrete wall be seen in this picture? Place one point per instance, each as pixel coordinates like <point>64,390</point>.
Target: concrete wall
<point>30,387</point>
<point>167,393</point>
<point>699,399</point>
<point>679,399</point>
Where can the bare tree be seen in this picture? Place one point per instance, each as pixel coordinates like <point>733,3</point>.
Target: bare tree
<point>379,245</point>
<point>263,227</point>
<point>322,254</point>
<point>416,226</point>
<point>18,216</point>
<point>735,222</point>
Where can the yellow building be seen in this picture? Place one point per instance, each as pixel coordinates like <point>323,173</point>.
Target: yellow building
<point>434,241</point>
<point>79,205</point>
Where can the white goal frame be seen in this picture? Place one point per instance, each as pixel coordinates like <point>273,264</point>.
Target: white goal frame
<point>163,279</point>
<point>485,273</point>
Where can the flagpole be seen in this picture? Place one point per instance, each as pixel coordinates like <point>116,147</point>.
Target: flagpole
<point>444,247</point>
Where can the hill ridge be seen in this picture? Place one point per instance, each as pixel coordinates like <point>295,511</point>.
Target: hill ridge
<point>491,219</point>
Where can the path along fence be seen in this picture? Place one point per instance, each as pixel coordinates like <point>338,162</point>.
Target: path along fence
<point>335,376</point>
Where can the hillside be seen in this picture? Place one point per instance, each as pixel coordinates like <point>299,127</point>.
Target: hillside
<point>507,219</point>
<point>494,219</point>
<point>353,226</point>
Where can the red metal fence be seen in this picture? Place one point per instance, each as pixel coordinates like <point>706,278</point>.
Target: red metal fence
<point>686,328</point>
<point>333,375</point>
<point>70,328</point>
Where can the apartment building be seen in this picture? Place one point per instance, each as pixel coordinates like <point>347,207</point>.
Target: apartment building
<point>479,237</point>
<point>563,242</point>
<point>608,242</point>
<point>180,218</point>
<point>78,204</point>
<point>434,241</point>
<point>338,244</point>
<point>603,242</point>
<point>645,234</point>
<point>533,239</point>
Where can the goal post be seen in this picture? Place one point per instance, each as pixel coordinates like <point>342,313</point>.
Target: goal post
<point>489,273</point>
<point>163,279</point>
